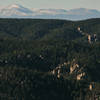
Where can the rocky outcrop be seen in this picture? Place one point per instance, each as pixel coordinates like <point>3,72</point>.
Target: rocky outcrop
<point>69,69</point>
<point>90,37</point>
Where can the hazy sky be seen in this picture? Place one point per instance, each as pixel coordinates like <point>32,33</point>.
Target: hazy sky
<point>66,4</point>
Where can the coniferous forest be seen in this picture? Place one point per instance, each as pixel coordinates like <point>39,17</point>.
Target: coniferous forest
<point>43,59</point>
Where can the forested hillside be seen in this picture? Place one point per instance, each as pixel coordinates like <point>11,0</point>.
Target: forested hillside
<point>49,59</point>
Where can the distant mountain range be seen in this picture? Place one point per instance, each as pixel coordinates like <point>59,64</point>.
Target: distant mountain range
<point>18,11</point>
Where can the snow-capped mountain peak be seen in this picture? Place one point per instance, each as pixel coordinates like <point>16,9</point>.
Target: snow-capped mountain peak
<point>15,11</point>
<point>13,6</point>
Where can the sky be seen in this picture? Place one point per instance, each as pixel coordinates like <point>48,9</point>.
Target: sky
<point>58,4</point>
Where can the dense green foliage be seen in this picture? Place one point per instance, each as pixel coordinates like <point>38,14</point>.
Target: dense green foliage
<point>23,84</point>
<point>30,48</point>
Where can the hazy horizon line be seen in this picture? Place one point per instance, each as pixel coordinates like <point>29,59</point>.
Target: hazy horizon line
<point>49,7</point>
